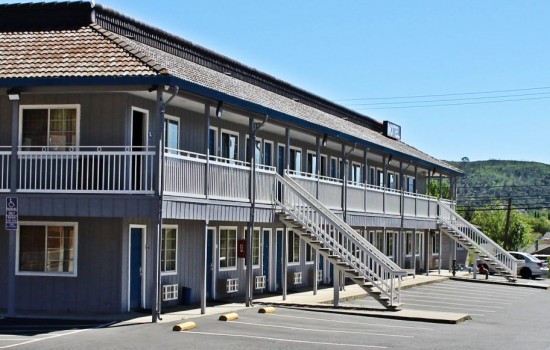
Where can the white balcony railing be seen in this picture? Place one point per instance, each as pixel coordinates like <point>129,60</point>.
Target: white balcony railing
<point>5,156</point>
<point>86,169</point>
<point>196,175</point>
<point>364,197</point>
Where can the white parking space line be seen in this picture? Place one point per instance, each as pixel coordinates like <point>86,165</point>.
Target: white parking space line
<point>430,296</point>
<point>297,341</point>
<point>449,302</point>
<point>511,290</point>
<point>461,309</point>
<point>53,336</point>
<point>322,330</point>
<point>354,323</point>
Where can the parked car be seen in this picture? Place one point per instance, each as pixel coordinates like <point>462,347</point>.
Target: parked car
<point>529,266</point>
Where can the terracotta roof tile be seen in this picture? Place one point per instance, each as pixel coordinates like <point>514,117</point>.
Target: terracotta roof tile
<point>76,53</point>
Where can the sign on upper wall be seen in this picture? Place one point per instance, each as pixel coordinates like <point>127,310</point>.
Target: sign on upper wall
<point>392,130</point>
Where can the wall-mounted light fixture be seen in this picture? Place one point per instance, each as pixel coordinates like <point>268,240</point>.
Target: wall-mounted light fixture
<point>390,159</point>
<point>219,109</point>
<point>325,139</point>
<point>14,95</point>
<point>433,171</point>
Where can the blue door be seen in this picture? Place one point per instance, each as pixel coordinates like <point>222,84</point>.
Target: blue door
<point>279,259</point>
<point>209,264</point>
<point>265,263</point>
<point>136,255</point>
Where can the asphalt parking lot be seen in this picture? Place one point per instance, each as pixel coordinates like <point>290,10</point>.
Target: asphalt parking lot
<point>503,317</point>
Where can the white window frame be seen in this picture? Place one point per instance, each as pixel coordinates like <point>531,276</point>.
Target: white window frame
<point>390,243</point>
<point>265,161</point>
<point>301,163</point>
<point>354,165</point>
<point>324,171</point>
<point>308,163</point>
<point>218,250</point>
<point>217,148</point>
<point>170,272</point>
<point>146,114</point>
<point>259,250</point>
<point>296,237</point>
<point>281,166</point>
<point>308,247</point>
<point>177,120</point>
<point>259,141</point>
<point>336,167</point>
<point>49,107</point>
<point>74,273</point>
<point>229,132</point>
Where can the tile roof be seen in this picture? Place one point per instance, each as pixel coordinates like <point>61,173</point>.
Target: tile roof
<point>91,50</point>
<point>193,72</point>
<point>67,53</point>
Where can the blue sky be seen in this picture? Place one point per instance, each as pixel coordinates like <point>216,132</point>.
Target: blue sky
<point>358,49</point>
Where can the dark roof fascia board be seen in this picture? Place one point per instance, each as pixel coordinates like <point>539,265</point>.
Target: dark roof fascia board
<point>220,96</point>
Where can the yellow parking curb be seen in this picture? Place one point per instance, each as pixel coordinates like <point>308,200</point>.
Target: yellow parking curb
<point>229,317</point>
<point>184,326</point>
<point>266,310</point>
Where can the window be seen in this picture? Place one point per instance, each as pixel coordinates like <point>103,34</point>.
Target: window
<point>309,253</point>
<point>212,142</point>
<point>380,175</point>
<point>389,243</point>
<point>228,248</point>
<point>230,145</point>
<point>312,163</point>
<point>281,160</point>
<point>268,153</point>
<point>418,243</point>
<point>295,159</point>
<point>411,184</point>
<point>379,240</point>
<point>323,169</point>
<point>356,175</point>
<point>257,150</point>
<point>47,248</point>
<point>171,133</point>
<point>391,180</point>
<point>435,243</point>
<point>293,247</point>
<point>408,248</point>
<point>333,167</point>
<point>372,179</point>
<point>55,126</point>
<point>168,249</point>
<point>256,244</point>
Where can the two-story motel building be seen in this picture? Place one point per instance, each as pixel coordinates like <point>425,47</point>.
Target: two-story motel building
<point>126,148</point>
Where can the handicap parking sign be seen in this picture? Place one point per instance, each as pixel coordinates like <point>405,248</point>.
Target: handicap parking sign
<point>11,213</point>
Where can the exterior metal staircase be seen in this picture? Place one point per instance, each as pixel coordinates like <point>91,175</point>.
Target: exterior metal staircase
<point>347,250</point>
<point>467,235</point>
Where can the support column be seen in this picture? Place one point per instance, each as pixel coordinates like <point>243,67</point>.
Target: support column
<point>336,285</point>
<point>157,215</point>
<point>284,276</point>
<point>207,150</point>
<point>318,166</point>
<point>413,252</point>
<point>11,292</point>
<point>316,270</point>
<point>204,269</point>
<point>427,254</point>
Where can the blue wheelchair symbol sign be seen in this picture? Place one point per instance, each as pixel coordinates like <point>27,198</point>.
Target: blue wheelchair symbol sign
<point>12,216</point>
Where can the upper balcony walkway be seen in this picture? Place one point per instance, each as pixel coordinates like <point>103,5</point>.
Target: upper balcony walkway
<point>130,170</point>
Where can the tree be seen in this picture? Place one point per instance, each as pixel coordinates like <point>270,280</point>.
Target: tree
<point>465,159</point>
<point>433,189</point>
<point>493,222</point>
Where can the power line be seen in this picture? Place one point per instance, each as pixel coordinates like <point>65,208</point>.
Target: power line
<point>447,100</point>
<point>456,104</point>
<point>443,95</point>
<point>501,186</point>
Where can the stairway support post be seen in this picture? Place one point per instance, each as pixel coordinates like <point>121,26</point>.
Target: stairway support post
<point>336,284</point>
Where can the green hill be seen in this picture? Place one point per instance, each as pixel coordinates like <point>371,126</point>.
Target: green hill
<point>527,183</point>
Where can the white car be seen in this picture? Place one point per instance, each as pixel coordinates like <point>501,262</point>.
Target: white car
<point>529,266</point>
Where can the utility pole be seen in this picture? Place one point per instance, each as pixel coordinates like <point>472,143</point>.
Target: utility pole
<point>507,227</point>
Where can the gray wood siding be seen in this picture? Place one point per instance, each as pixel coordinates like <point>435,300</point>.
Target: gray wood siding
<point>5,121</point>
<point>216,212</point>
<point>97,287</point>
<point>86,206</point>
<point>4,241</point>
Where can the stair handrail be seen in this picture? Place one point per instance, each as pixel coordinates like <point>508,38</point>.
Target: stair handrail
<point>502,256</point>
<point>338,222</point>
